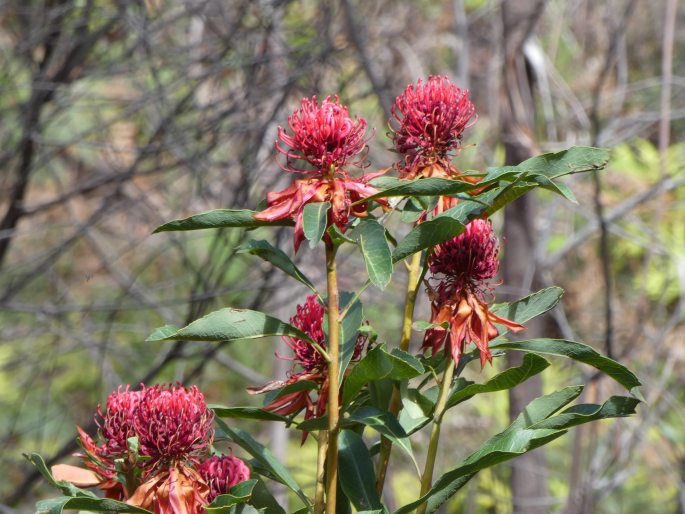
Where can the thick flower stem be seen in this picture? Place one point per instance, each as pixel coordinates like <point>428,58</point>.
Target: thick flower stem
<point>413,283</point>
<point>427,477</point>
<point>319,496</point>
<point>333,380</point>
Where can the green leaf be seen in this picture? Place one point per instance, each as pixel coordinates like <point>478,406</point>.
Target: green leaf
<point>67,489</point>
<point>386,424</point>
<point>447,224</point>
<point>522,178</point>
<point>376,252</point>
<point>378,364</point>
<point>531,366</point>
<point>162,333</point>
<point>227,325</point>
<point>425,235</point>
<point>516,440</point>
<point>220,218</point>
<point>415,414</point>
<point>246,413</point>
<point>422,325</point>
<point>373,366</point>
<point>576,159</point>
<point>529,307</point>
<point>614,407</point>
<point>264,457</point>
<point>412,211</point>
<point>349,331</point>
<point>240,493</point>
<point>503,196</point>
<point>263,499</point>
<point>404,365</point>
<point>277,257</point>
<point>355,468</point>
<point>491,453</point>
<point>342,502</point>
<point>312,424</point>
<point>314,221</point>
<point>544,406</point>
<point>577,351</point>
<point>422,187</point>
<point>337,236</point>
<point>82,503</point>
<point>555,187</point>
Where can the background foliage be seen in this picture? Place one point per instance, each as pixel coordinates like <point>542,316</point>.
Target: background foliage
<point>118,116</point>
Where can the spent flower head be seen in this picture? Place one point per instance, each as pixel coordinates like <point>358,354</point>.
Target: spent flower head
<point>221,473</point>
<point>462,267</point>
<point>428,121</point>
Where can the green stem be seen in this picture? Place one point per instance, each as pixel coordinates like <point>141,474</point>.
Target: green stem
<point>333,379</point>
<point>413,283</point>
<point>427,477</point>
<point>319,498</point>
<point>353,300</point>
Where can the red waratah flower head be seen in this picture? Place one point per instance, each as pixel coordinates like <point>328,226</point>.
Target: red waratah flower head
<point>324,136</point>
<point>429,120</point>
<point>469,259</point>
<point>309,319</point>
<point>173,424</point>
<point>117,423</point>
<point>463,266</point>
<point>221,473</point>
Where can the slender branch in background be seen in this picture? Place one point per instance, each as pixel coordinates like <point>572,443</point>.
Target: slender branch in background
<point>519,265</point>
<point>579,499</point>
<point>43,90</point>
<point>461,29</point>
<point>666,85</point>
<point>604,250</point>
<point>355,33</point>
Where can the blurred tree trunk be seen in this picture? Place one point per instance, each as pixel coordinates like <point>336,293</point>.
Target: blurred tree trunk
<point>528,473</point>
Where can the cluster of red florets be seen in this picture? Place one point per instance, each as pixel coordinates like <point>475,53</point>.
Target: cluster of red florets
<point>172,423</point>
<point>324,136</point>
<point>309,319</point>
<point>462,268</point>
<point>221,473</point>
<point>117,425</point>
<point>429,121</point>
<point>468,260</point>
<point>312,365</point>
<point>329,140</point>
<point>154,450</point>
